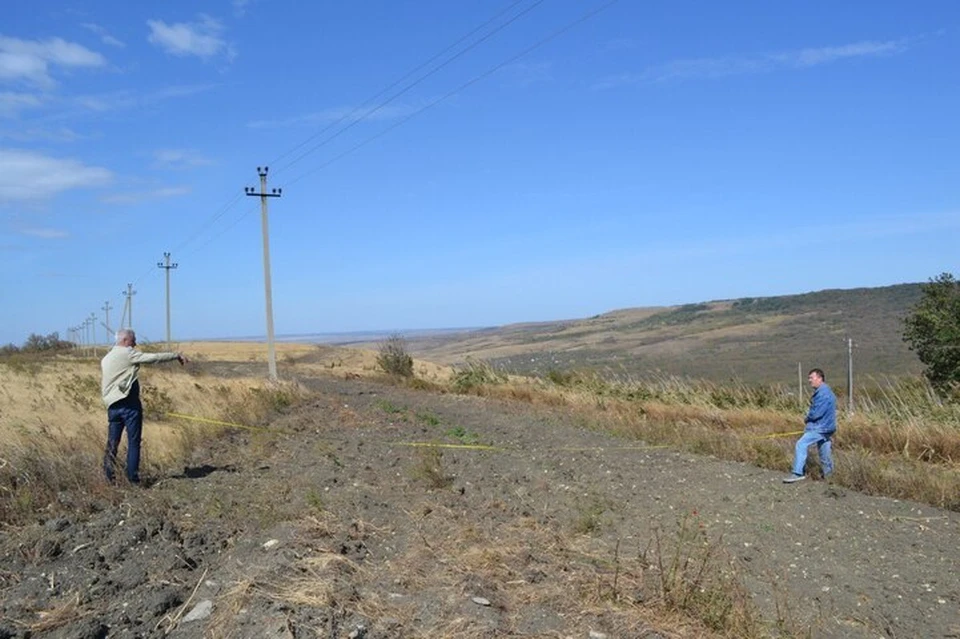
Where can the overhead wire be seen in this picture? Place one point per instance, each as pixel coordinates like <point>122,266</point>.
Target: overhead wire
<point>225,208</point>
<point>394,83</point>
<point>457,90</point>
<point>416,82</point>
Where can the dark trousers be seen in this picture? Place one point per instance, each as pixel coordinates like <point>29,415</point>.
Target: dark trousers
<point>127,414</point>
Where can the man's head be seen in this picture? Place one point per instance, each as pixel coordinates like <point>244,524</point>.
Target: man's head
<point>126,337</point>
<point>815,377</point>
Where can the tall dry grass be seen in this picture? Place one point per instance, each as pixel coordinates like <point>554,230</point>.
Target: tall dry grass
<point>53,426</point>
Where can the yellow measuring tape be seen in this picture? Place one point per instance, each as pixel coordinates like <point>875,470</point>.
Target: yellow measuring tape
<point>217,422</point>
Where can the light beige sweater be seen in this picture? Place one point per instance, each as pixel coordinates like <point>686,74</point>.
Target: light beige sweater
<point>120,369</point>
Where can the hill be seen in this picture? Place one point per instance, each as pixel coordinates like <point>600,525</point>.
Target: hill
<point>751,339</point>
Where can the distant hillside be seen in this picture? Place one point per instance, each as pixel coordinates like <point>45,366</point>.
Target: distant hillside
<point>753,339</point>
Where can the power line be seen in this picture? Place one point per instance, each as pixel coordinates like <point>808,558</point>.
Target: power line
<point>406,88</point>
<point>460,88</point>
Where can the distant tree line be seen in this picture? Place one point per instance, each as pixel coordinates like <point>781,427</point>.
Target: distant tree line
<point>38,344</point>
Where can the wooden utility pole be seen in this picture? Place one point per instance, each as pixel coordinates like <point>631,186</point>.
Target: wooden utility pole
<point>271,351</point>
<point>166,265</point>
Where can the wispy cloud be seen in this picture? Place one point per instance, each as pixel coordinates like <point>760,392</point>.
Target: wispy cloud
<point>28,175</point>
<point>527,73</point>
<point>720,67</point>
<point>12,103</point>
<point>45,233</point>
<point>179,159</point>
<point>203,39</point>
<point>335,114</point>
<point>29,61</point>
<point>105,36</point>
<point>240,7</point>
<point>128,99</point>
<point>34,134</point>
<point>139,197</point>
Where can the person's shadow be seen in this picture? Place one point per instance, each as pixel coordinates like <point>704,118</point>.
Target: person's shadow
<point>199,472</point>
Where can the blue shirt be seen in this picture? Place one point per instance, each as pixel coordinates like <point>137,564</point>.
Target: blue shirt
<point>822,416</point>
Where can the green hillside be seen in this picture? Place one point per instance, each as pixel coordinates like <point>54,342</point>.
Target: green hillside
<point>752,339</point>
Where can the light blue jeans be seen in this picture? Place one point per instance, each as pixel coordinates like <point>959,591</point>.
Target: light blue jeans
<point>809,438</point>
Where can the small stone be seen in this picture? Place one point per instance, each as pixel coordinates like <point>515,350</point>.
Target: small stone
<point>597,635</point>
<point>480,601</point>
<point>201,611</point>
<point>270,544</point>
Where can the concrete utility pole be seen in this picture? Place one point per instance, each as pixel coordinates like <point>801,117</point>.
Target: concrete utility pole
<point>93,332</point>
<point>106,321</point>
<point>167,266</point>
<point>128,306</point>
<point>850,375</point>
<point>800,384</point>
<point>271,351</point>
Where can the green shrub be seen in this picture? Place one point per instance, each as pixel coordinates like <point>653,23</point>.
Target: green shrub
<point>393,357</point>
<point>475,374</point>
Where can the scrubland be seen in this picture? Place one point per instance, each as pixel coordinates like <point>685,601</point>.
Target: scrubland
<point>901,441</point>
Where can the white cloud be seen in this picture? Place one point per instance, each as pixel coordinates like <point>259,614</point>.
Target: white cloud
<point>128,99</point>
<point>61,134</point>
<point>144,196</point>
<point>105,36</point>
<point>178,159</point>
<point>720,67</point>
<point>30,60</point>
<point>45,233</point>
<point>12,103</point>
<point>240,7</point>
<point>202,39</point>
<point>28,175</point>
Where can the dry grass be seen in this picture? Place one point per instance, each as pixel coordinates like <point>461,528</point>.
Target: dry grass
<point>53,425</point>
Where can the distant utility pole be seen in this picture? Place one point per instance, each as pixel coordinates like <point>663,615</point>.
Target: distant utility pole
<point>800,384</point>
<point>850,375</point>
<point>106,320</point>
<point>167,266</point>
<point>128,306</point>
<point>93,332</point>
<point>271,352</point>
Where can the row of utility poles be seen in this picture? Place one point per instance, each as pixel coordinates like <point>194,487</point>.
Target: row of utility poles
<point>84,334</point>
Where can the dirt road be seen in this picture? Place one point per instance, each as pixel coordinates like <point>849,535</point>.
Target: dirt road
<point>524,523</point>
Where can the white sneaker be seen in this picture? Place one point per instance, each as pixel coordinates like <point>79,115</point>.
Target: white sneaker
<point>792,479</point>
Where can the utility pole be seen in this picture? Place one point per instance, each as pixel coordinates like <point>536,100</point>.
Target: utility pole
<point>92,323</point>
<point>800,384</point>
<point>167,266</point>
<point>128,306</point>
<point>850,375</point>
<point>271,351</point>
<point>106,321</point>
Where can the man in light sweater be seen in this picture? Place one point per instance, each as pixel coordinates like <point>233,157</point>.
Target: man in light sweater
<point>121,395</point>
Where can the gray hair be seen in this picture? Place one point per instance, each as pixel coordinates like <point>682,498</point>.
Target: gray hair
<point>124,333</point>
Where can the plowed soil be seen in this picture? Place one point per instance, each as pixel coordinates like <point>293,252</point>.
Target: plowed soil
<point>381,512</point>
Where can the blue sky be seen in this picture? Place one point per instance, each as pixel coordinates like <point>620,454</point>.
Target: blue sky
<point>538,163</point>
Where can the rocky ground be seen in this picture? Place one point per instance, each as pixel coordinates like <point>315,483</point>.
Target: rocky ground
<point>516,521</point>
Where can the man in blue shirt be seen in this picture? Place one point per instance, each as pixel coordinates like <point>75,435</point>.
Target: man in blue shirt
<point>820,427</point>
